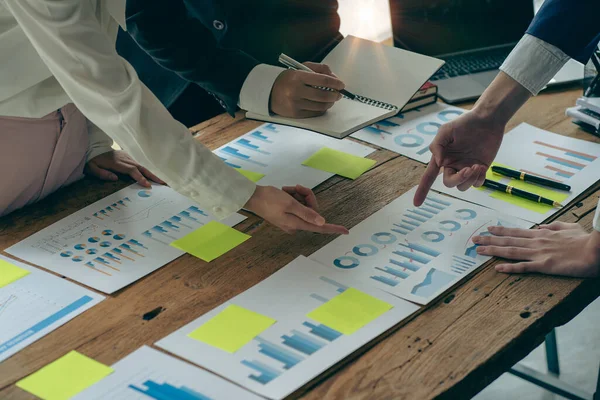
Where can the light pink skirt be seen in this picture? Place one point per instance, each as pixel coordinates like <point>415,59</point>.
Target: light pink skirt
<point>39,156</point>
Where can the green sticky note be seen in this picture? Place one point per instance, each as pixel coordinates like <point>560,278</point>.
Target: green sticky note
<point>253,176</point>
<point>556,195</point>
<point>210,241</point>
<point>338,162</point>
<point>10,273</point>
<point>349,311</point>
<point>232,328</point>
<point>65,377</point>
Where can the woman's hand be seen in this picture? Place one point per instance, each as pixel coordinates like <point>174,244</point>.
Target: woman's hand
<point>290,209</point>
<point>556,249</point>
<point>106,164</point>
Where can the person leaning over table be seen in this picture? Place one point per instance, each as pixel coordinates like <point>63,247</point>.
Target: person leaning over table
<point>58,52</point>
<point>466,147</point>
<point>226,52</point>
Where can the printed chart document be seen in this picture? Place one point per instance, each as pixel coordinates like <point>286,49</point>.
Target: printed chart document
<point>35,305</point>
<point>117,240</point>
<point>149,374</point>
<point>286,337</point>
<point>537,152</point>
<point>414,252</point>
<point>411,133</point>
<point>278,151</point>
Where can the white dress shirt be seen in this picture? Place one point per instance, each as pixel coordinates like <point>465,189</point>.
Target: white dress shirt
<point>532,63</point>
<point>255,95</point>
<point>59,51</point>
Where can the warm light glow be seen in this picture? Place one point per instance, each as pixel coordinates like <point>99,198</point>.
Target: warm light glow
<point>368,19</point>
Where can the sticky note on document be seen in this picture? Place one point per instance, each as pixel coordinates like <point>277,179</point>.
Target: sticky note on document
<point>349,311</point>
<point>253,176</point>
<point>210,241</point>
<point>338,162</point>
<point>232,328</point>
<point>65,377</point>
<point>10,273</point>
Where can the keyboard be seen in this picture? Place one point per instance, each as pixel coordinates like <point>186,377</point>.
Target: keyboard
<point>485,60</point>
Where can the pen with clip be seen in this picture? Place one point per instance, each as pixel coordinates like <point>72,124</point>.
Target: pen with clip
<point>293,64</point>
<point>519,193</point>
<point>530,178</point>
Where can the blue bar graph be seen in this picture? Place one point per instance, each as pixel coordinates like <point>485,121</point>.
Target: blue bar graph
<point>408,227</point>
<point>387,281</point>
<point>319,298</point>
<point>422,213</point>
<point>129,248</point>
<point>166,391</point>
<point>413,256</point>
<point>187,215</point>
<point>302,343</point>
<point>136,243</point>
<point>392,271</point>
<point>278,353</point>
<point>237,154</point>
<point>322,331</point>
<point>430,210</point>
<point>439,201</point>
<point>162,231</point>
<point>267,374</point>
<point>434,205</point>
<point>376,130</point>
<point>230,164</point>
<point>112,257</point>
<point>408,266</point>
<point>149,235</point>
<point>177,220</point>
<point>415,218</point>
<point>259,136</point>
<point>422,249</point>
<point>169,226</point>
<point>196,210</point>
<point>341,288</point>
<point>43,324</point>
<point>271,128</point>
<point>248,145</point>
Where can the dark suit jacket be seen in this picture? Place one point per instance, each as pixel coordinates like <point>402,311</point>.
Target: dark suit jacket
<point>571,25</point>
<point>215,44</point>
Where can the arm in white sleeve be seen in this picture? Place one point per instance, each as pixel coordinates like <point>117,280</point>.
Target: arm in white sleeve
<point>68,37</point>
<point>597,217</point>
<point>99,142</point>
<point>533,63</point>
<point>255,95</point>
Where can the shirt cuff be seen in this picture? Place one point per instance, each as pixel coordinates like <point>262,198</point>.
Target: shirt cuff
<point>256,90</point>
<point>533,63</point>
<point>99,142</point>
<point>597,217</point>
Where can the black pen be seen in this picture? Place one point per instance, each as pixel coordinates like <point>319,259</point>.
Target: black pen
<point>293,64</point>
<point>530,178</point>
<point>520,193</point>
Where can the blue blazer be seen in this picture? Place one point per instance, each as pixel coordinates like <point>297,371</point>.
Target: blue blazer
<point>216,44</point>
<point>571,25</point>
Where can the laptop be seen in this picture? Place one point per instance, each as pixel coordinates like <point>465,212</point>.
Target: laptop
<point>474,37</point>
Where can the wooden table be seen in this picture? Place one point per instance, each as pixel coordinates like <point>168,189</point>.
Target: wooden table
<point>456,347</point>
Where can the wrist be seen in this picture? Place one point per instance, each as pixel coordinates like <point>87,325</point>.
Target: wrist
<point>592,253</point>
<point>252,203</point>
<point>501,100</point>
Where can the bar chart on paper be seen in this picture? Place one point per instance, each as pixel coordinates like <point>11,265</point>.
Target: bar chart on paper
<point>411,133</point>
<point>35,305</point>
<point>295,348</point>
<point>537,152</point>
<point>278,151</point>
<point>149,374</point>
<point>117,240</point>
<point>410,251</point>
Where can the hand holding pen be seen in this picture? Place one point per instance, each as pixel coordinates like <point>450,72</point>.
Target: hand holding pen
<point>295,93</point>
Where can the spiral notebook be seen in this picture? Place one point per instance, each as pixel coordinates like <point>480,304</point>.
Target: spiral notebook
<point>383,78</point>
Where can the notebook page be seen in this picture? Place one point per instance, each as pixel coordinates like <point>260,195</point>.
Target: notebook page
<point>380,72</point>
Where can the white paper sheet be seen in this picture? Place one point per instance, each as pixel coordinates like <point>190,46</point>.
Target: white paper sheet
<point>414,253</point>
<point>150,374</point>
<point>278,151</point>
<point>287,296</point>
<point>529,149</point>
<point>411,133</point>
<point>37,304</point>
<point>117,240</point>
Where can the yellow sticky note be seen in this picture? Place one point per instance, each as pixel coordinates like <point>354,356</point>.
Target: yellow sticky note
<point>65,377</point>
<point>349,311</point>
<point>210,241</point>
<point>253,176</point>
<point>10,273</point>
<point>338,162</point>
<point>232,328</point>
<point>556,195</point>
